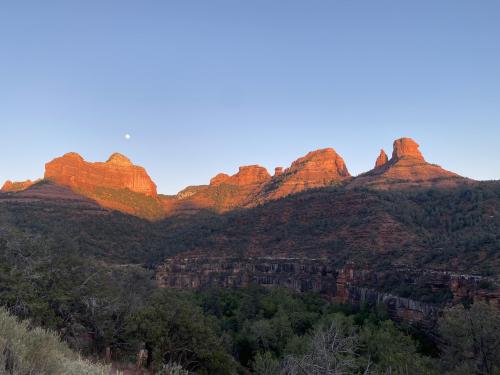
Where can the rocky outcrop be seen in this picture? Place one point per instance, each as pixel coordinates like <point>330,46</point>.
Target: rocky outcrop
<point>405,148</point>
<point>219,179</point>
<point>250,175</point>
<point>317,169</point>
<point>13,186</point>
<point>117,172</point>
<point>406,169</point>
<point>382,159</point>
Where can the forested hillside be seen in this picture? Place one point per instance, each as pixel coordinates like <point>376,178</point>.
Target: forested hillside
<point>88,273</point>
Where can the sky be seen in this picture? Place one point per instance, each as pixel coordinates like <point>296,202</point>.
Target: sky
<point>203,87</point>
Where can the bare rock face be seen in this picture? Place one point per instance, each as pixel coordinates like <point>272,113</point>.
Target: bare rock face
<point>250,175</point>
<point>382,159</point>
<point>406,147</point>
<point>247,175</point>
<point>406,169</point>
<point>14,186</point>
<point>219,179</point>
<point>117,173</point>
<point>278,171</point>
<point>119,160</point>
<point>316,169</point>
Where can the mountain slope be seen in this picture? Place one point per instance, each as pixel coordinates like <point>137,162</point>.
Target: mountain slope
<point>447,229</point>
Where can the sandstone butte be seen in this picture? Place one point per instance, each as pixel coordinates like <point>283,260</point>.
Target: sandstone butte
<point>406,169</point>
<point>117,172</point>
<point>115,184</point>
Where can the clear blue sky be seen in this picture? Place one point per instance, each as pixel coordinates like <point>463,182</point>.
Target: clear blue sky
<point>204,86</point>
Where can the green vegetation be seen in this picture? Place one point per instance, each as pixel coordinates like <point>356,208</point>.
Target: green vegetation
<point>33,351</point>
<point>227,331</point>
<point>471,339</point>
<point>139,204</point>
<point>89,276</point>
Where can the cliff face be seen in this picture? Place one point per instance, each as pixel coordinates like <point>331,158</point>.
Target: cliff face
<point>348,284</point>
<point>300,275</point>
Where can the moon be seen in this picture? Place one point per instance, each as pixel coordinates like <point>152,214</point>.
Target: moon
<point>127,136</point>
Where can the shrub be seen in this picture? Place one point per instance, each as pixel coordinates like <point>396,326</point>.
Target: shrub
<point>26,351</point>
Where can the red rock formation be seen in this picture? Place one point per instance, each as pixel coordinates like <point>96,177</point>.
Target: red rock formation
<point>247,175</point>
<point>224,192</point>
<point>115,184</point>
<point>405,147</point>
<point>111,181</point>
<point>10,186</point>
<point>250,175</point>
<point>317,169</point>
<point>382,159</point>
<point>116,173</point>
<point>407,169</point>
<point>219,179</point>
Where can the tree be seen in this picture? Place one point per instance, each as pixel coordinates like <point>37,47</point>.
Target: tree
<point>334,351</point>
<point>174,330</point>
<point>392,351</point>
<point>471,339</point>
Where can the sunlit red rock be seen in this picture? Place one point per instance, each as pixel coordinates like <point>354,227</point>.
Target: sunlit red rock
<point>249,175</point>
<point>116,173</point>
<point>316,169</point>
<point>224,193</point>
<point>407,169</point>
<point>117,183</point>
<point>13,186</point>
<point>382,159</point>
<point>406,147</point>
<point>219,179</point>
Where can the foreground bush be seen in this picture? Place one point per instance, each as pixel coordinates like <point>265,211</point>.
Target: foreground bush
<point>25,351</point>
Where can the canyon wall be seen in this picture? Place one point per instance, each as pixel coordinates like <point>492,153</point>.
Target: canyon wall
<point>427,291</point>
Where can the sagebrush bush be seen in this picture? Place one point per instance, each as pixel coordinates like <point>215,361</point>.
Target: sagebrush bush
<point>172,369</point>
<point>26,351</point>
